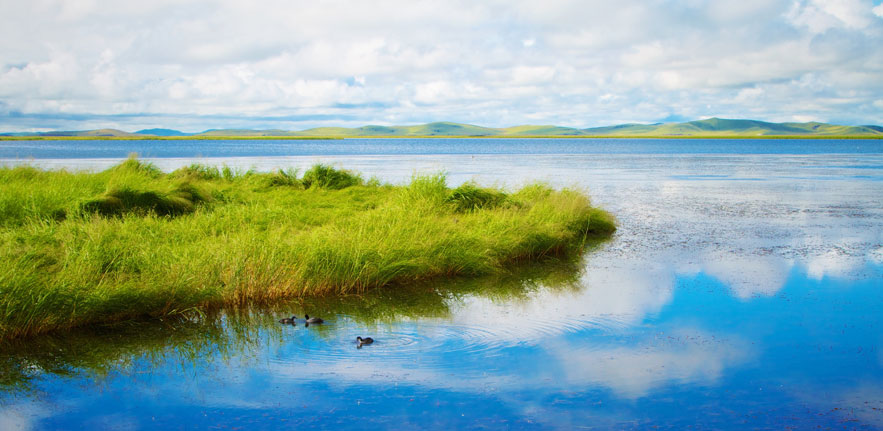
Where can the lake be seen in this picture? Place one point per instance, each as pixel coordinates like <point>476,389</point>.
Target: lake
<point>743,290</point>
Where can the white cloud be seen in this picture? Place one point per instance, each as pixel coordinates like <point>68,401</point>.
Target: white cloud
<point>426,61</point>
<point>822,15</point>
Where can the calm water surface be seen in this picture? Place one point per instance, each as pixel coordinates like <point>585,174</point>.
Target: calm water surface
<point>743,290</point>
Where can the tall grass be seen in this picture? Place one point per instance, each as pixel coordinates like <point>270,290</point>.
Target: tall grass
<point>78,248</point>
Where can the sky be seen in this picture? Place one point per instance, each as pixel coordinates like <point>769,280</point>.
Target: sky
<point>193,65</point>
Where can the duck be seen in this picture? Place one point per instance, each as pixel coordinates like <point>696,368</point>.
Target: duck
<point>366,340</point>
<point>314,320</point>
<point>287,320</point>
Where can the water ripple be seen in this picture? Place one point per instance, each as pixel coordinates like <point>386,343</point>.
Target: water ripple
<point>404,341</point>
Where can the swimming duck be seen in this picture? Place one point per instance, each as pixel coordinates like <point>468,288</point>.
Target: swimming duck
<point>287,320</point>
<point>312,319</point>
<point>366,340</point>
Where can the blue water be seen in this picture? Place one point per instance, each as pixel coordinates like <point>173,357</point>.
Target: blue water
<point>743,290</point>
<point>68,149</point>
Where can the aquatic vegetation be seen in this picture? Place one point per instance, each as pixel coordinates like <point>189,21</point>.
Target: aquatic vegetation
<point>132,241</point>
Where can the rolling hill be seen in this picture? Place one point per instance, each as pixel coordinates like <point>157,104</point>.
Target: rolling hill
<point>739,128</point>
<point>162,132</point>
<point>105,133</point>
<point>712,127</point>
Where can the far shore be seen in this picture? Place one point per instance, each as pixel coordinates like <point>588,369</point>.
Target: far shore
<point>294,138</point>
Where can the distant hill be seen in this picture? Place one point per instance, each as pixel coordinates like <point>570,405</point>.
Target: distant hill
<point>712,127</point>
<point>90,133</point>
<point>162,132</point>
<point>709,127</point>
<point>98,133</point>
<point>541,131</point>
<point>724,127</point>
<point>246,133</point>
<point>431,129</point>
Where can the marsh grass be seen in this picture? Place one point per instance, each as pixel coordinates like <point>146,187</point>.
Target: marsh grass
<point>326,177</point>
<point>182,199</point>
<point>133,241</point>
<point>470,197</point>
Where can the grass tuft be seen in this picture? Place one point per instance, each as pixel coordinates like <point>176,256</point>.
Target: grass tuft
<point>283,178</point>
<point>470,197</point>
<point>199,172</point>
<point>326,177</point>
<point>82,248</point>
<point>124,200</point>
<point>133,165</point>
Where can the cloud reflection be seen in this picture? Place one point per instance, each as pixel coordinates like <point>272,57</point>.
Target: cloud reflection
<point>683,357</point>
<point>22,416</point>
<point>748,276</point>
<point>613,297</point>
<point>835,263</point>
<point>876,255</point>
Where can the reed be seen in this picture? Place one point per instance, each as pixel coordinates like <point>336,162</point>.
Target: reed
<point>132,241</point>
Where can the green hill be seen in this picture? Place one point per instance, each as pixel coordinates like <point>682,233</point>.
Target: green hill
<point>430,129</point>
<point>330,131</point>
<point>712,127</point>
<point>90,133</point>
<point>737,128</point>
<point>161,132</point>
<point>450,129</point>
<point>541,131</point>
<point>245,133</point>
<point>442,129</point>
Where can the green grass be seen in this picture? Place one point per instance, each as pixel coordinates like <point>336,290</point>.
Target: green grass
<point>132,241</point>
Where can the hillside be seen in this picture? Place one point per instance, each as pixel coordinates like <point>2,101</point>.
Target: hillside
<point>726,127</point>
<point>430,129</point>
<point>161,132</point>
<point>712,127</point>
<point>245,133</point>
<point>91,133</point>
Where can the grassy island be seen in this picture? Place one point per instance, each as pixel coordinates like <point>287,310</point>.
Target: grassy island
<point>133,241</point>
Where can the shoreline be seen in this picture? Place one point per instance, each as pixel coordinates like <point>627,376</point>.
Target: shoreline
<point>339,138</point>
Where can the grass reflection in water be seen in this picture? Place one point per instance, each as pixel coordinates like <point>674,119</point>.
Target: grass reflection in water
<point>199,339</point>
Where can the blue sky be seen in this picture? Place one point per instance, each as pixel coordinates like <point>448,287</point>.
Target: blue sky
<point>291,64</point>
